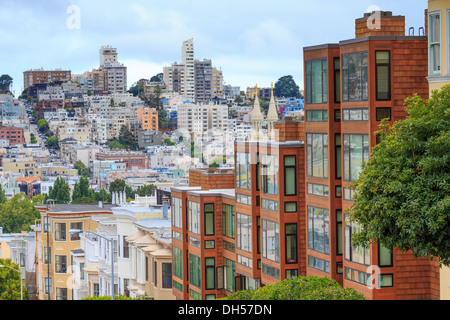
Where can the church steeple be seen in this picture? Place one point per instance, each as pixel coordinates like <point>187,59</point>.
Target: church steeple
<point>256,117</point>
<point>272,116</point>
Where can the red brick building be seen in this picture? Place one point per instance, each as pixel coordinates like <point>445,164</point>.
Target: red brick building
<point>132,159</point>
<point>31,77</point>
<point>282,214</point>
<point>13,135</point>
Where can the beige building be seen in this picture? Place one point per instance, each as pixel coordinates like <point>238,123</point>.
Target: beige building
<point>115,73</point>
<point>54,244</point>
<point>25,165</point>
<point>438,17</point>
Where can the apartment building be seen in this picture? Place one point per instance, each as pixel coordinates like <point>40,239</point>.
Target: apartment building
<point>132,159</point>
<point>114,73</point>
<point>34,76</point>
<point>438,31</point>
<point>200,118</point>
<point>14,135</point>
<point>349,88</point>
<point>148,118</point>
<point>54,245</point>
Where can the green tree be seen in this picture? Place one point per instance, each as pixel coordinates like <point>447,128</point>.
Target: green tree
<point>10,281</point>
<point>60,191</point>
<point>300,288</point>
<point>81,190</point>
<point>115,144</point>
<point>402,196</point>
<point>43,125</point>
<point>117,185</point>
<point>169,142</point>
<point>286,87</point>
<point>52,141</point>
<point>5,83</point>
<point>126,138</point>
<point>32,138</point>
<point>103,196</point>
<point>147,190</point>
<point>3,198</point>
<point>137,89</point>
<point>81,168</point>
<point>18,214</point>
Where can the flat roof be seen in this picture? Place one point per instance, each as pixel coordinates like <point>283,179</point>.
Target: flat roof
<point>76,208</point>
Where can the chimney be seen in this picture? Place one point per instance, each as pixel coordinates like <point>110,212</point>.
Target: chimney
<point>379,23</point>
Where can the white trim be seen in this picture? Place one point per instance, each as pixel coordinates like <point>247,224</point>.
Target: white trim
<point>431,13</point>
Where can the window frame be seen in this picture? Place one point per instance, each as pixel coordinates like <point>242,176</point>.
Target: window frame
<point>208,213</point>
<point>383,108</point>
<point>295,236</point>
<point>389,96</point>
<point>309,81</point>
<point>346,98</point>
<point>294,166</point>
<point>432,44</point>
<point>310,152</point>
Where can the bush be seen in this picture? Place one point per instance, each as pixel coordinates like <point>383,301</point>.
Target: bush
<point>301,288</point>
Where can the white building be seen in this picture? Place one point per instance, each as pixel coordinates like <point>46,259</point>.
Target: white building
<point>198,118</point>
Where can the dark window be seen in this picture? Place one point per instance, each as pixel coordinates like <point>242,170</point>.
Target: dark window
<point>337,80</point>
<point>383,113</point>
<point>383,75</point>
<point>291,242</point>
<point>209,219</point>
<point>166,275</point>
<point>290,180</point>
<point>354,77</point>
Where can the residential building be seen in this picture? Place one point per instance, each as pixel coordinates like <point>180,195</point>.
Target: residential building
<point>148,118</point>
<point>200,118</point>
<point>37,76</point>
<point>350,87</point>
<point>114,73</point>
<point>149,138</point>
<point>132,159</point>
<point>14,135</point>
<point>438,31</point>
<point>54,244</point>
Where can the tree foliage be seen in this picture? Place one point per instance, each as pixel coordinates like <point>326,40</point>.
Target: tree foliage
<point>60,191</point>
<point>81,168</point>
<point>403,192</point>
<point>300,288</point>
<point>286,87</point>
<point>5,83</point>
<point>43,125</point>
<point>117,185</point>
<point>10,281</point>
<point>115,144</point>
<point>127,139</point>
<point>18,214</point>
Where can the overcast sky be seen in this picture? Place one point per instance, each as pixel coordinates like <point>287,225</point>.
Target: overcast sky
<point>251,41</point>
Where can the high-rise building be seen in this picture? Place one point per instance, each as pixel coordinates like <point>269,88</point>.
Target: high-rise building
<point>187,56</point>
<point>114,73</point>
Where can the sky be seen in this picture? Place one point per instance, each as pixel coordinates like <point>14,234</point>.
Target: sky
<point>251,41</point>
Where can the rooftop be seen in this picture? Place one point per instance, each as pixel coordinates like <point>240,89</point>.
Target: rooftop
<point>78,208</point>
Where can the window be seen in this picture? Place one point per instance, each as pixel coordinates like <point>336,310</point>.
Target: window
<point>210,244</point>
<point>244,232</point>
<point>126,248</point>
<point>356,151</point>
<point>357,276</point>
<point>319,264</point>
<point>384,256</point>
<point>177,285</point>
<point>61,293</point>
<point>317,189</point>
<point>383,75</point>
<point>194,242</point>
<point>317,115</point>
<point>316,81</point>
<point>338,191</point>
<point>269,174</point>
<point>357,254</point>
<point>337,80</point>
<point>228,220</point>
<point>78,226</point>
<point>386,280</point>
<point>47,254</point>
<point>209,219</point>
<point>290,207</point>
<point>270,240</point>
<point>194,271</point>
<point>317,155</point>
<point>243,199</point>
<point>337,115</point>
<point>269,205</point>
<point>318,230</point>
<point>60,231</point>
<point>244,261</point>
<point>177,220</point>
<point>243,171</point>
<point>195,295</point>
<point>290,173</point>
<point>229,274</point>
<point>361,114</point>
<point>383,113</point>
<point>271,271</point>
<point>194,217</point>
<point>354,76</point>
<point>291,242</point>
<point>435,42</point>
<point>177,261</point>
<point>229,246</point>
<point>48,285</point>
<point>349,194</point>
<point>210,274</point>
<point>338,155</point>
<point>291,273</point>
<point>339,235</point>
<point>60,264</point>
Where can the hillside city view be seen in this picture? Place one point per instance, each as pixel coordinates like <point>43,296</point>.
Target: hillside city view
<point>193,150</point>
